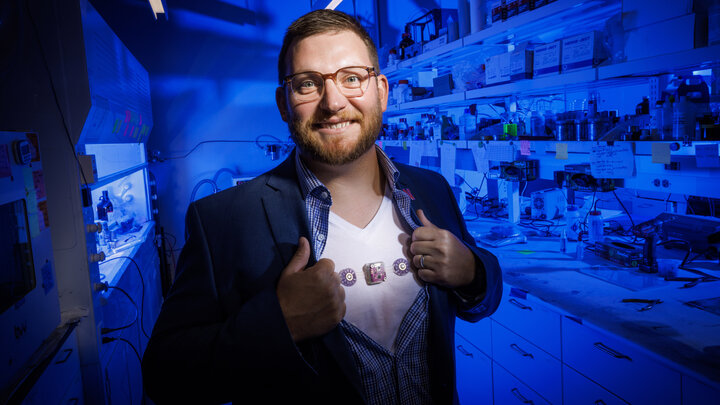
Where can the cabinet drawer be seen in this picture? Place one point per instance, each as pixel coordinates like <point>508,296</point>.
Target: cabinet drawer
<point>533,366</point>
<point>695,392</point>
<point>474,374</point>
<point>54,381</point>
<point>579,390</point>
<point>477,333</point>
<point>531,320</point>
<point>508,390</point>
<point>618,366</point>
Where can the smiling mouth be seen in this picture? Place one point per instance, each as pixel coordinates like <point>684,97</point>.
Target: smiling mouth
<point>333,125</point>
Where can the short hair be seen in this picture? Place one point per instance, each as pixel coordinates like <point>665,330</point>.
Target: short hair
<point>321,22</point>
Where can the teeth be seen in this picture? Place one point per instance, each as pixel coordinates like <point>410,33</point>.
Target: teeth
<point>338,125</point>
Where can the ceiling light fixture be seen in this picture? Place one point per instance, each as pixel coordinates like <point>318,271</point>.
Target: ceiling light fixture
<point>157,7</point>
<point>333,4</point>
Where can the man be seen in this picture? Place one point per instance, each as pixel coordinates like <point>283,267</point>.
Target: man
<point>318,282</point>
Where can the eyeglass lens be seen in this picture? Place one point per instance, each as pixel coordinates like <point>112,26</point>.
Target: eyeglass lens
<point>352,82</point>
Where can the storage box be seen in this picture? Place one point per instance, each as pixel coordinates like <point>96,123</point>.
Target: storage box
<point>497,69</point>
<point>674,35</point>
<point>442,85</point>
<point>639,13</point>
<point>582,51</point>
<point>546,59</point>
<point>435,43</point>
<point>521,64</point>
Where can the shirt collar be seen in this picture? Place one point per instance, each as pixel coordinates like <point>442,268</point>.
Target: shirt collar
<point>310,182</point>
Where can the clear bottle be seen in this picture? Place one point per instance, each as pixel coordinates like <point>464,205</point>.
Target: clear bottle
<point>537,127</point>
<point>549,123</point>
<point>403,126</point>
<point>680,120</point>
<point>467,125</point>
<point>403,91</point>
<point>595,227</point>
<point>667,127</point>
<point>572,222</point>
<point>657,120</point>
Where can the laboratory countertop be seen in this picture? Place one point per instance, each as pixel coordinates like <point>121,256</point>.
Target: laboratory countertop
<point>592,290</point>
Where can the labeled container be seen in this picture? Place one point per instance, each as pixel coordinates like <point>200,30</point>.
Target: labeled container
<point>572,222</point>
<point>595,227</point>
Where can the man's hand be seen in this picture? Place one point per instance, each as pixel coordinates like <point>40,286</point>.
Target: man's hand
<point>312,300</point>
<point>440,257</point>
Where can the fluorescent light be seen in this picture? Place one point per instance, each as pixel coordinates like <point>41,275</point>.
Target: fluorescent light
<point>157,7</point>
<point>333,4</point>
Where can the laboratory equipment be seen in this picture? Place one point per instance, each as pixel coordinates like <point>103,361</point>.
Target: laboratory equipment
<point>548,204</point>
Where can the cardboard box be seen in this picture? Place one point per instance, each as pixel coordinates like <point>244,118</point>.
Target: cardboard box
<point>546,59</point>
<point>435,43</point>
<point>639,13</point>
<point>497,69</point>
<point>582,51</point>
<point>674,35</point>
<point>521,64</point>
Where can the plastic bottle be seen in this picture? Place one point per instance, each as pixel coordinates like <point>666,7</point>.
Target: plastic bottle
<point>452,29</point>
<point>595,227</point>
<point>463,18</point>
<point>549,123</point>
<point>392,57</point>
<point>667,128</point>
<point>680,120</point>
<point>657,120</point>
<point>403,91</point>
<point>468,123</point>
<point>537,127</point>
<point>579,248</point>
<point>572,222</point>
<point>563,242</point>
<point>478,10</point>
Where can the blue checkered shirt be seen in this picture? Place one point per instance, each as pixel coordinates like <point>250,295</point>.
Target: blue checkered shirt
<point>402,378</point>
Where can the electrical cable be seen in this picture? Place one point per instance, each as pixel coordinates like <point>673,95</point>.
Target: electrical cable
<point>54,91</point>
<point>142,296</point>
<point>110,330</point>
<point>215,141</point>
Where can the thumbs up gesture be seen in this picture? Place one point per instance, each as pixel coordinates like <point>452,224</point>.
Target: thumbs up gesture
<point>311,299</point>
<point>440,257</point>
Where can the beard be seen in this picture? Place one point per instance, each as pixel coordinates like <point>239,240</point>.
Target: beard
<point>336,150</point>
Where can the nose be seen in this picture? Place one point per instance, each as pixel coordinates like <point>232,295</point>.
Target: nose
<point>332,100</point>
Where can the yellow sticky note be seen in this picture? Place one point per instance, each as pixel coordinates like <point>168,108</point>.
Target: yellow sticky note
<point>404,145</point>
<point>561,151</point>
<point>661,153</point>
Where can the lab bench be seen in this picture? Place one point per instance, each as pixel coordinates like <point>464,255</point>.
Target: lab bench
<point>562,333</point>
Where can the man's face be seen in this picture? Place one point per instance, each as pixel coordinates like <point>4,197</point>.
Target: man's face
<point>333,129</point>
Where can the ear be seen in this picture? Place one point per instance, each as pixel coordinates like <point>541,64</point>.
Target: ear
<point>281,101</point>
<point>383,90</point>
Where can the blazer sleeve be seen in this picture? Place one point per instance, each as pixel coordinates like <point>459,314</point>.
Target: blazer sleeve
<point>482,297</point>
<point>201,352</point>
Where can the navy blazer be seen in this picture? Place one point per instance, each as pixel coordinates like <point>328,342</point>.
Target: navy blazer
<point>221,335</point>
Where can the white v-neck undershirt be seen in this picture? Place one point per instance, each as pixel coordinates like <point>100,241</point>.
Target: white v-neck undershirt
<point>376,309</point>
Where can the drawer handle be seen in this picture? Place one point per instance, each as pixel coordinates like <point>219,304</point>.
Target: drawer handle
<point>521,351</point>
<point>599,402</point>
<point>519,305</point>
<point>520,396</point>
<point>67,352</point>
<point>600,346</point>
<point>463,351</point>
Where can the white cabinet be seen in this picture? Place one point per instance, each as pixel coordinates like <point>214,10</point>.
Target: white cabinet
<point>531,320</point>
<point>619,366</point>
<point>62,371</point>
<point>478,333</point>
<point>577,389</point>
<point>540,371</point>
<point>474,374</point>
<point>508,390</point>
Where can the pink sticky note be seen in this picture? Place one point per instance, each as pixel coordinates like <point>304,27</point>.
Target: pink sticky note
<point>525,148</point>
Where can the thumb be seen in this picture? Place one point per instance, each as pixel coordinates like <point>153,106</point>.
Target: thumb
<point>300,258</point>
<point>423,219</point>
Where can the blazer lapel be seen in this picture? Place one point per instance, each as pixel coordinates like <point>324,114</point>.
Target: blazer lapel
<point>287,217</point>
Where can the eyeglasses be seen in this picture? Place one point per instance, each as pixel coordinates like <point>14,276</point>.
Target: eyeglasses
<point>351,81</point>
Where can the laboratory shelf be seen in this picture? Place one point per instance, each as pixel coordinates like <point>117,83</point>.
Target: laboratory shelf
<point>545,24</point>
<point>695,59</point>
<point>548,84</point>
<point>445,101</point>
